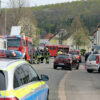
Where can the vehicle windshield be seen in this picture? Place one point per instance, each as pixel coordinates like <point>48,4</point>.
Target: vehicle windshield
<point>14,42</point>
<point>2,81</point>
<point>92,58</point>
<point>74,52</point>
<point>63,56</point>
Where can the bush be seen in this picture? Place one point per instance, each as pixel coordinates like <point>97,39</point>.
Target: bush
<point>82,52</point>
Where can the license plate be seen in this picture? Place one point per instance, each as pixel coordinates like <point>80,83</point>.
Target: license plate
<point>61,64</point>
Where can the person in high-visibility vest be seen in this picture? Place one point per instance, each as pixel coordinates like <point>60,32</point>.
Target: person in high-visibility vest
<point>42,55</point>
<point>47,55</point>
<point>38,55</point>
<point>59,52</point>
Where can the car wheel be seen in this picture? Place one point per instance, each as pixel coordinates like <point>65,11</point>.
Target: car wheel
<point>47,96</point>
<point>77,67</point>
<point>89,70</point>
<point>55,67</point>
<point>70,67</point>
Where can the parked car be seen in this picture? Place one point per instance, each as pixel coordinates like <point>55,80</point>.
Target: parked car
<point>20,81</point>
<point>76,53</point>
<point>66,61</point>
<point>93,63</point>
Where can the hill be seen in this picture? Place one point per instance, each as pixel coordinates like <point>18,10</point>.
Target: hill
<point>51,18</point>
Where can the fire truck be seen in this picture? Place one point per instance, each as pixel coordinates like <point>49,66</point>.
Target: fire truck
<point>3,43</point>
<point>23,44</point>
<point>53,49</point>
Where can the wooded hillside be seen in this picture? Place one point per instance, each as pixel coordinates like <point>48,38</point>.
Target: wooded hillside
<point>51,18</point>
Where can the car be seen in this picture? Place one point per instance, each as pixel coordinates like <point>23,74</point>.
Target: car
<point>76,53</point>
<point>20,81</point>
<point>66,61</point>
<point>93,63</point>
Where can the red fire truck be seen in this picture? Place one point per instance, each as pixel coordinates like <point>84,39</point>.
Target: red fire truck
<point>53,49</point>
<point>22,44</point>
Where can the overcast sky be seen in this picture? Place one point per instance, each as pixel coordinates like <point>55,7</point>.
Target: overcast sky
<point>38,2</point>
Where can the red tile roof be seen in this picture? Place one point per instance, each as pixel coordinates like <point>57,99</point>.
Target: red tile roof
<point>49,36</point>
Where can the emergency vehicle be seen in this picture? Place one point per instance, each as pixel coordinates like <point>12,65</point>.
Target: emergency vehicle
<point>19,80</point>
<point>3,43</point>
<point>53,49</point>
<point>22,44</point>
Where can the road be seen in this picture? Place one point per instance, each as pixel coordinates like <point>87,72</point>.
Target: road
<point>70,85</point>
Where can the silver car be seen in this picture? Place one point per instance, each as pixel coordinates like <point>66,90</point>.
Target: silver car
<point>19,81</point>
<point>93,63</point>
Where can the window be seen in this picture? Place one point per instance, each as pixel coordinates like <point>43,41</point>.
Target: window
<point>13,42</point>
<point>30,72</point>
<point>92,58</point>
<point>24,75</point>
<point>19,75</point>
<point>54,48</point>
<point>2,81</point>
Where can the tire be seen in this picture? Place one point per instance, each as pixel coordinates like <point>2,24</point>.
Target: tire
<point>48,96</point>
<point>70,67</point>
<point>89,70</point>
<point>77,67</point>
<point>55,67</point>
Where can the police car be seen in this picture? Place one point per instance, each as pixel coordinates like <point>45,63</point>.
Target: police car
<point>19,80</point>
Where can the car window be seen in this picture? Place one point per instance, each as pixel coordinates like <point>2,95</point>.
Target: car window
<point>74,52</point>
<point>63,56</point>
<point>24,74</point>
<point>19,77</point>
<point>30,73</point>
<point>92,58</point>
<point>2,81</point>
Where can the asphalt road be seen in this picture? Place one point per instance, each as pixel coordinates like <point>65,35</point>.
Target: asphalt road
<point>71,85</point>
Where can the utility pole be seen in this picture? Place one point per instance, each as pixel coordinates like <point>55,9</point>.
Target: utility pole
<point>0,7</point>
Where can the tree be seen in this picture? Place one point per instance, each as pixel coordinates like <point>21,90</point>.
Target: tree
<point>23,16</point>
<point>80,33</point>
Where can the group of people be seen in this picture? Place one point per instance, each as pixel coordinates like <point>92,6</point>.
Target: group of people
<point>40,54</point>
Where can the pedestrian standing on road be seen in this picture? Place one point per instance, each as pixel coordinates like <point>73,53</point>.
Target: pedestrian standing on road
<point>47,55</point>
<point>38,54</point>
<point>42,55</point>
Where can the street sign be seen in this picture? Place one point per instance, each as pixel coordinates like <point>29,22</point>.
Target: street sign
<point>15,30</point>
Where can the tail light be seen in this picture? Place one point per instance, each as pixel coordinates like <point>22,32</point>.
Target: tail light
<point>10,98</point>
<point>97,61</point>
<point>78,57</point>
<point>70,60</point>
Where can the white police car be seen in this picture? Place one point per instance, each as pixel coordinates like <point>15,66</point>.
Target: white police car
<point>19,81</point>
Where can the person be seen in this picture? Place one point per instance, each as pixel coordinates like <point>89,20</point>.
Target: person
<point>42,55</point>
<point>87,55</point>
<point>59,52</point>
<point>38,55</point>
<point>47,55</point>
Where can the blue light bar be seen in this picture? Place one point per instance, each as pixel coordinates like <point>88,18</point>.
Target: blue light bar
<point>10,54</point>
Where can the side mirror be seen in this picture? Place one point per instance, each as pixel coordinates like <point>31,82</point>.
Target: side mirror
<point>44,77</point>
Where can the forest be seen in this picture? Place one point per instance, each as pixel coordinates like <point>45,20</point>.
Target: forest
<point>51,18</point>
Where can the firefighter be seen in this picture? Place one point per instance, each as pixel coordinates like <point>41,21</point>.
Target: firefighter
<point>38,55</point>
<point>47,55</point>
<point>34,56</point>
<point>42,55</point>
<point>59,52</point>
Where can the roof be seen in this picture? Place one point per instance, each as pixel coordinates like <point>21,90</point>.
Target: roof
<point>5,63</point>
<point>49,36</point>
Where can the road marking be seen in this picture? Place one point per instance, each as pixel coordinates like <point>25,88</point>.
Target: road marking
<point>62,87</point>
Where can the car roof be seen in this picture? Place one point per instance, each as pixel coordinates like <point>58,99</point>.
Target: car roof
<point>5,63</point>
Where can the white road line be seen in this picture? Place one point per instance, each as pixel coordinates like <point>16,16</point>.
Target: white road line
<point>61,91</point>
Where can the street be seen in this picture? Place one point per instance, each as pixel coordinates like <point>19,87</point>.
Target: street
<point>70,85</point>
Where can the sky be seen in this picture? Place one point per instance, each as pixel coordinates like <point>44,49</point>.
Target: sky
<point>38,2</point>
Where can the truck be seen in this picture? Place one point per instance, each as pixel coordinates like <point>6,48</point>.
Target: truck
<point>23,44</point>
